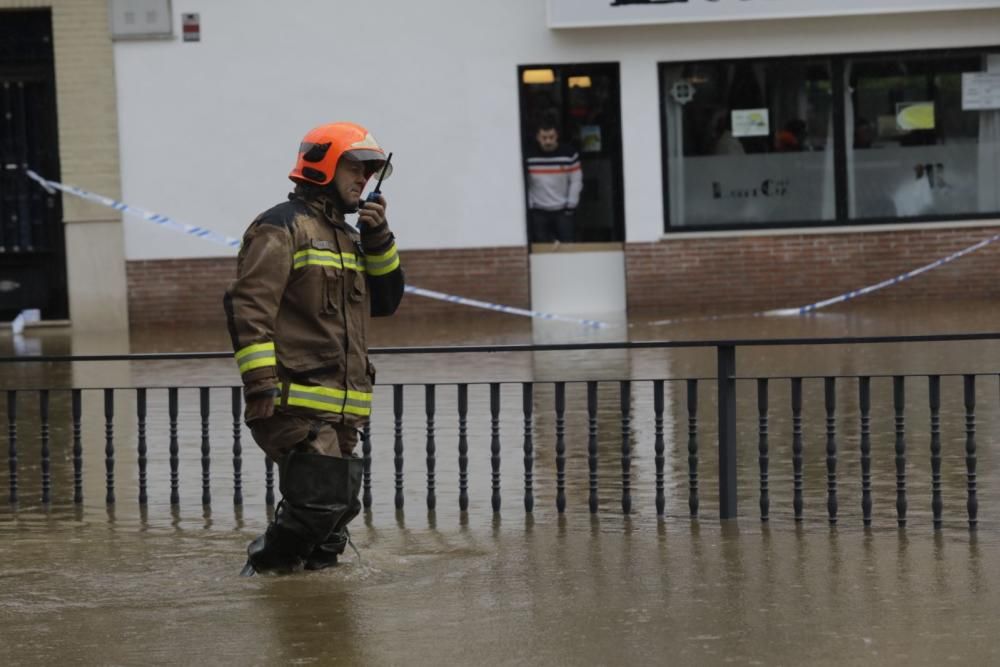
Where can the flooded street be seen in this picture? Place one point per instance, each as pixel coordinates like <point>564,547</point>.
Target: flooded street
<point>551,593</point>
<point>125,583</point>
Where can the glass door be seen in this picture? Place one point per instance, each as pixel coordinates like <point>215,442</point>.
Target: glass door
<point>580,176</point>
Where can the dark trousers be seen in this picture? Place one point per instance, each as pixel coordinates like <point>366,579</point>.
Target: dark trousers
<point>549,226</point>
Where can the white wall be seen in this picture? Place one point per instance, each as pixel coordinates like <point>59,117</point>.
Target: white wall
<point>208,130</point>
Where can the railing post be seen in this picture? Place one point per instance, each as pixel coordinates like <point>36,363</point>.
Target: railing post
<point>142,449</point>
<point>560,447</point>
<point>206,456</point>
<point>937,504</point>
<point>172,411</point>
<point>592,443</point>
<point>865,404</point>
<point>236,401</point>
<point>109,446</point>
<point>972,502</point>
<point>495,444</point>
<point>429,408</point>
<point>397,410</point>
<point>43,415</point>
<point>626,411</point>
<point>366,457</point>
<point>528,405</point>
<point>463,447</point>
<point>763,459</point>
<point>727,431</point>
<point>77,409</point>
<point>659,446</point>
<point>12,442</point>
<point>692,408</point>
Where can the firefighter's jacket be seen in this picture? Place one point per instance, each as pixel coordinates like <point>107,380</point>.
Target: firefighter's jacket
<point>298,310</point>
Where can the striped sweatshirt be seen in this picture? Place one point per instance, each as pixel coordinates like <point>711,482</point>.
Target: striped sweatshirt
<point>555,179</point>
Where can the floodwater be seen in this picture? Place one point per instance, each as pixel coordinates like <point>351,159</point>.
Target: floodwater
<point>125,584</point>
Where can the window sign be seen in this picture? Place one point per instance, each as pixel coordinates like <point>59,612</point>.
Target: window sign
<point>915,116</point>
<point>594,13</point>
<point>590,138</point>
<point>980,91</point>
<point>751,123</point>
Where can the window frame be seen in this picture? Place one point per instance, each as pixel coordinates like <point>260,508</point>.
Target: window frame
<point>837,63</point>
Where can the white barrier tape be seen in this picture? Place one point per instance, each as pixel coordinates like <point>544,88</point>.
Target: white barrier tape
<point>703,318</point>
<point>162,220</point>
<point>803,310</point>
<point>234,243</point>
<point>510,310</point>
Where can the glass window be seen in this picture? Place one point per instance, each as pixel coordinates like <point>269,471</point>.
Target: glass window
<point>749,142</point>
<point>831,140</point>
<point>915,150</point>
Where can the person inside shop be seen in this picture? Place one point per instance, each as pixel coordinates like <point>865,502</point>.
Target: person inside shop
<point>864,133</point>
<point>555,181</point>
<point>793,137</point>
<point>722,140</point>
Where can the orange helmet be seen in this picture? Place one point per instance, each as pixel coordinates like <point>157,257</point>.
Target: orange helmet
<point>323,146</point>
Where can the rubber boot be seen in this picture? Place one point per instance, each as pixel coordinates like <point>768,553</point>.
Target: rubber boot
<point>312,505</point>
<point>325,555</point>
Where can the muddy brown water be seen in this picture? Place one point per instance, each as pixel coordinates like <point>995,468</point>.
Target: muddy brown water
<point>127,584</point>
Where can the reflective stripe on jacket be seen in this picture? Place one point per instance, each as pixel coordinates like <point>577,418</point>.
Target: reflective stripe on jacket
<point>298,310</point>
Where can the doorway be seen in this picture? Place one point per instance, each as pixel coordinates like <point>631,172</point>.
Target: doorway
<point>583,103</point>
<point>32,246</point>
<point>577,257</point>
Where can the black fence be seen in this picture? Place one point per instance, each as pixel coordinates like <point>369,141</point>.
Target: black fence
<point>726,381</point>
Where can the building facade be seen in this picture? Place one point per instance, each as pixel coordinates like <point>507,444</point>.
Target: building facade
<point>737,154</point>
<point>64,256</point>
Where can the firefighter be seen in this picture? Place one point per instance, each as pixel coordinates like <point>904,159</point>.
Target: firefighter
<point>298,312</point>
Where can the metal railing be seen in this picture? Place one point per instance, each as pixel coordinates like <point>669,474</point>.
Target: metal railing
<point>726,380</point>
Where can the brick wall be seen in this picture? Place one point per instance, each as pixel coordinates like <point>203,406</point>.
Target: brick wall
<point>775,271</point>
<point>189,291</point>
<point>712,273</point>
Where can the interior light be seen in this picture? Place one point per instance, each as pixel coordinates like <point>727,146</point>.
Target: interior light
<point>538,76</point>
<point>579,82</point>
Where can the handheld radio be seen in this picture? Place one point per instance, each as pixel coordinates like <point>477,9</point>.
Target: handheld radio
<point>373,195</point>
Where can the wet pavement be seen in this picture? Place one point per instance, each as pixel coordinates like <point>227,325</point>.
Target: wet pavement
<point>122,585</point>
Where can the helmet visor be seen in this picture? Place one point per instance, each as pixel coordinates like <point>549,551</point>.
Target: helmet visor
<point>374,160</point>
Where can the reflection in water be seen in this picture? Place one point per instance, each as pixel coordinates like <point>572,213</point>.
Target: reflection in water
<point>127,583</point>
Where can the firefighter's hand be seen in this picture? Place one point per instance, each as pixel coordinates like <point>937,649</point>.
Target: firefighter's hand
<point>372,213</point>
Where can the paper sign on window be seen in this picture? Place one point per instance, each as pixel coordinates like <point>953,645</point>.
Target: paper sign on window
<point>751,123</point>
<point>590,138</point>
<point>915,116</point>
<point>980,91</point>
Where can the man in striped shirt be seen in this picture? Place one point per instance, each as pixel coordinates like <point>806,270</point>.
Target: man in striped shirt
<point>555,181</point>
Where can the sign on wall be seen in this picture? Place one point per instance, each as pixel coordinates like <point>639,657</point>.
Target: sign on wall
<point>593,13</point>
<point>140,19</point>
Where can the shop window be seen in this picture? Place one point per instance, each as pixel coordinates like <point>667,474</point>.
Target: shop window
<point>749,142</point>
<point>831,140</point>
<point>915,151</point>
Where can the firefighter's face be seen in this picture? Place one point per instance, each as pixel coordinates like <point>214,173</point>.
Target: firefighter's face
<point>350,179</point>
<point>548,140</point>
